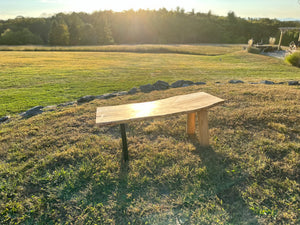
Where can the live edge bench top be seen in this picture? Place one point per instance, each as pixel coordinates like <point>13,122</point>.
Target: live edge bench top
<point>146,110</point>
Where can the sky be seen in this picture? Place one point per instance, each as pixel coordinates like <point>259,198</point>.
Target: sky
<point>279,9</point>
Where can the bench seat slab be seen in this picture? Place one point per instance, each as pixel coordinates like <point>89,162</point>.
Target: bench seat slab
<point>181,104</point>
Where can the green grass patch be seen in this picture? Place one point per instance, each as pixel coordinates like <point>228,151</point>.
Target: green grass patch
<point>217,49</point>
<point>294,59</point>
<point>31,78</point>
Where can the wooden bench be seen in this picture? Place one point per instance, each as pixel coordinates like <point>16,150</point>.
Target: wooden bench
<point>190,104</point>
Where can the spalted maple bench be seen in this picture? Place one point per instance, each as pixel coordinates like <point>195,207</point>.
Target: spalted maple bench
<point>190,104</point>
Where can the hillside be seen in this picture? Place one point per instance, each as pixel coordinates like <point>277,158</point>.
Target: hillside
<point>35,75</point>
<point>60,168</point>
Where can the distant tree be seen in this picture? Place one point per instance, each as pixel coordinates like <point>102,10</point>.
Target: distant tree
<point>88,35</point>
<point>37,26</point>
<point>59,34</point>
<point>40,27</point>
<point>209,13</point>
<point>21,37</point>
<point>75,23</point>
<point>142,26</point>
<point>192,12</point>
<point>107,37</point>
<point>231,16</point>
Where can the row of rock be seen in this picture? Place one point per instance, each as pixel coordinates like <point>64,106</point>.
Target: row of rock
<point>4,119</point>
<point>264,82</point>
<point>89,98</point>
<point>159,85</point>
<point>162,85</point>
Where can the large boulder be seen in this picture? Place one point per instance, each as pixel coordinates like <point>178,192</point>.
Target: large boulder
<point>133,91</point>
<point>107,96</point>
<point>85,99</point>
<point>5,118</point>
<point>147,88</point>
<point>293,83</point>
<point>32,112</point>
<point>267,82</point>
<point>121,93</point>
<point>49,108</point>
<point>235,82</point>
<point>66,104</point>
<point>161,85</point>
<point>182,83</point>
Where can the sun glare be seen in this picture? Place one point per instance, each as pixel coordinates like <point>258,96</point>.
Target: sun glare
<point>143,109</point>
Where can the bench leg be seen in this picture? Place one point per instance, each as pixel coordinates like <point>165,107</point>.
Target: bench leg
<point>203,127</point>
<point>124,142</point>
<point>191,123</point>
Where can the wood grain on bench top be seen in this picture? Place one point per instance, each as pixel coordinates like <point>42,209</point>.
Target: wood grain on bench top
<point>145,110</point>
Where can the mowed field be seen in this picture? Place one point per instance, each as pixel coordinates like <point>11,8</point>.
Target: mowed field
<point>60,168</point>
<point>30,78</point>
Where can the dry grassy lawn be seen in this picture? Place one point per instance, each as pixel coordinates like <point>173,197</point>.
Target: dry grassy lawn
<point>31,78</point>
<point>60,168</point>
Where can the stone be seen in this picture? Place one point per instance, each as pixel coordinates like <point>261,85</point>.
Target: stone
<point>236,82</point>
<point>32,112</point>
<point>161,85</point>
<point>4,119</point>
<point>267,82</point>
<point>147,88</point>
<point>49,108</point>
<point>177,84</point>
<point>106,96</point>
<point>253,83</point>
<point>133,91</point>
<point>200,83</point>
<point>121,93</point>
<point>66,104</point>
<point>282,82</point>
<point>181,83</point>
<point>293,83</point>
<point>85,99</point>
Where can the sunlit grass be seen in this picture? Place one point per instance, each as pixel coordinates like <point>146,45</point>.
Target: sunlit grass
<point>203,49</point>
<point>294,59</point>
<point>60,168</point>
<point>34,78</point>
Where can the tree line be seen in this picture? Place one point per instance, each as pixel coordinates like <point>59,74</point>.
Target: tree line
<point>141,27</point>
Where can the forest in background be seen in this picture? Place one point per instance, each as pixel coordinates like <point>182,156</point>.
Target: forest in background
<point>141,27</point>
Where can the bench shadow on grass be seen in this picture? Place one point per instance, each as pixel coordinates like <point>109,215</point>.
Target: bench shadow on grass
<point>221,184</point>
<point>225,186</point>
<point>121,192</point>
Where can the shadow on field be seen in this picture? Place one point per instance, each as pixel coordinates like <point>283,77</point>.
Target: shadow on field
<point>131,200</point>
<point>225,186</point>
<point>219,182</point>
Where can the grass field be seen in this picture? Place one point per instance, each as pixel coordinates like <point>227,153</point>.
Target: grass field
<point>217,49</point>
<point>30,78</point>
<point>59,168</point>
